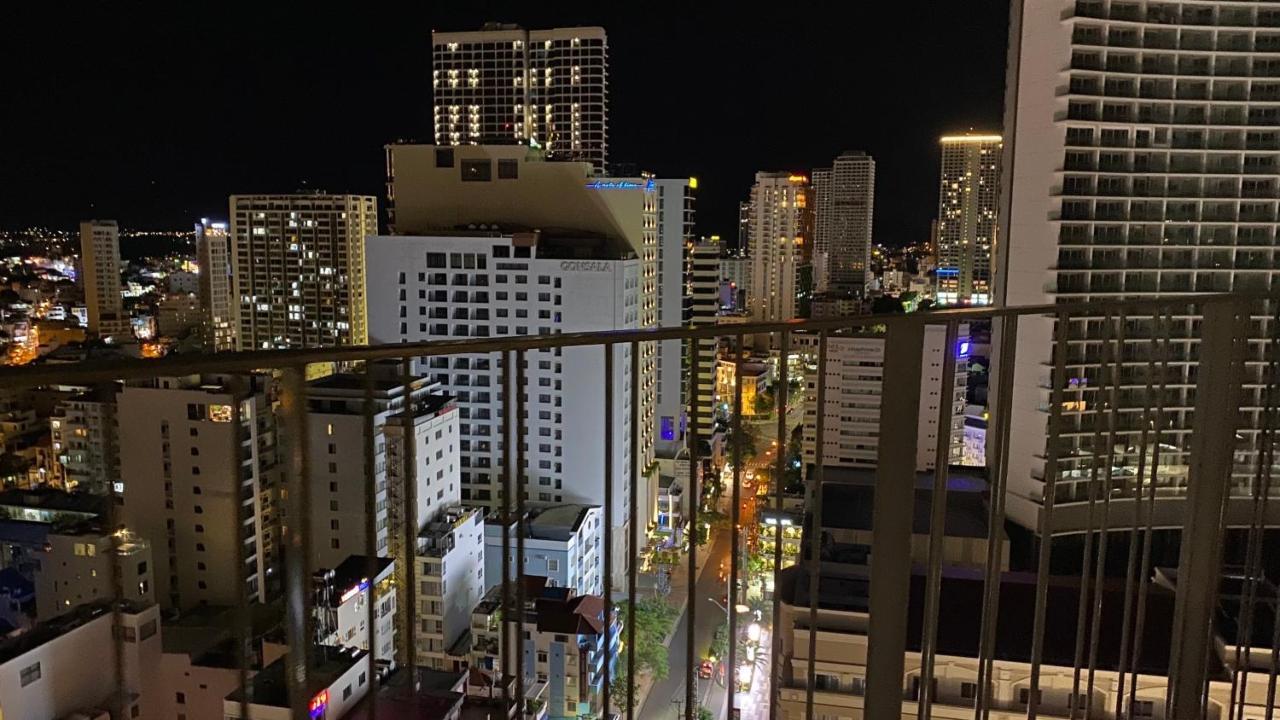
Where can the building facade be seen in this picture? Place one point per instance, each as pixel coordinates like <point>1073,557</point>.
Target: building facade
<point>675,242</point>
<point>341,606</point>
<point>213,255</point>
<point>86,440</point>
<point>702,303</point>
<point>561,543</point>
<point>779,243</point>
<point>504,84</point>
<point>100,273</point>
<point>968,196</point>
<point>855,392</point>
<point>1151,173</point>
<point>844,201</point>
<point>75,568</point>
<point>450,557</point>
<point>206,524</point>
<point>297,269</point>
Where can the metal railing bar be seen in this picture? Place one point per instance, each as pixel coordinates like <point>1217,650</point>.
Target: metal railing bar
<point>369,430</point>
<point>293,406</point>
<point>522,484</point>
<point>408,475</point>
<point>1131,565</point>
<point>242,632</point>
<point>815,525</point>
<point>608,522</point>
<point>507,656</point>
<point>1115,350</point>
<point>1086,562</point>
<point>1266,460</point>
<point>937,521</point>
<point>633,522</point>
<point>694,492</point>
<point>249,360</point>
<point>995,529</point>
<point>1161,360</point>
<point>775,639</point>
<point>1061,332</point>
<point>735,520</point>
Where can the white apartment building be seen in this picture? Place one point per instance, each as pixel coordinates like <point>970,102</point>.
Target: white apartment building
<point>207,522</point>
<point>1141,161</point>
<point>85,440</point>
<point>504,84</point>
<point>779,242</point>
<point>100,275</point>
<point>675,242</point>
<point>855,392</point>
<point>515,189</point>
<point>297,273</point>
<point>844,202</point>
<point>64,666</point>
<point>968,195</point>
<point>340,487</point>
<point>735,269</point>
<point>341,606</point>
<point>213,256</point>
<point>75,568</point>
<point>338,680</point>
<point>450,575</point>
<point>561,543</point>
<point>494,283</point>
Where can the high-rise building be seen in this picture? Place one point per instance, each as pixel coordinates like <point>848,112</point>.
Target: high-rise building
<point>491,283</point>
<point>855,393</point>
<point>297,269</point>
<point>100,270</point>
<point>702,298</point>
<point>505,84</point>
<point>968,193</point>
<point>779,235</point>
<point>213,257</point>
<point>675,243</point>
<point>844,200</point>
<point>85,440</point>
<point>208,525</point>
<point>512,189</point>
<point>1138,164</point>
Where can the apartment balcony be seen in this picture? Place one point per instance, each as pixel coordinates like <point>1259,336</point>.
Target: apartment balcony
<point>1120,420</point>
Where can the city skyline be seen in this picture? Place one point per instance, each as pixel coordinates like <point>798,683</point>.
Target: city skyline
<point>189,159</point>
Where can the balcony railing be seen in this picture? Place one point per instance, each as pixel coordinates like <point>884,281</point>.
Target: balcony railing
<point>1108,483</point>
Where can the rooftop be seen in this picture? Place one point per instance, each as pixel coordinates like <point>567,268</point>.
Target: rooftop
<point>436,697</point>
<point>848,502</point>
<point>354,572</point>
<point>327,665</point>
<point>48,630</point>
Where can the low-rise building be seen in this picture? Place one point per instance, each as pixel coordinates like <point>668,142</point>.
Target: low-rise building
<point>64,665</point>
<point>564,647</point>
<point>561,543</point>
<point>450,576</point>
<point>337,680</point>
<point>341,605</point>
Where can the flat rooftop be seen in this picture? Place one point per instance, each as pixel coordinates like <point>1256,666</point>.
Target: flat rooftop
<point>327,665</point>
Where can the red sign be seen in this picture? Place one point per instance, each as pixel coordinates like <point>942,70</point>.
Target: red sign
<point>319,703</point>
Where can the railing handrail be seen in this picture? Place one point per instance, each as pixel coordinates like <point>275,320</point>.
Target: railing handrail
<point>89,371</point>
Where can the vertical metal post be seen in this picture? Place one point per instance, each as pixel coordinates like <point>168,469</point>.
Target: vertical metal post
<point>815,525</point>
<point>505,650</point>
<point>608,522</point>
<point>937,521</point>
<point>298,621</point>
<point>1095,629</point>
<point>1212,445</point>
<point>243,622</point>
<point>735,521</point>
<point>995,526</point>
<point>522,488</point>
<point>775,642</point>
<point>409,476</point>
<point>369,430</point>
<point>695,493</point>
<point>633,525</point>
<point>891,519</point>
<point>1058,381</point>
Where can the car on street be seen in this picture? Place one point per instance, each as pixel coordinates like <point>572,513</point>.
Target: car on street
<point>705,669</point>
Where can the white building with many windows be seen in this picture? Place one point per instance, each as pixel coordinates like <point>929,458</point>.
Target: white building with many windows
<point>968,193</point>
<point>844,203</point>
<point>503,283</point>
<point>779,243</point>
<point>561,543</point>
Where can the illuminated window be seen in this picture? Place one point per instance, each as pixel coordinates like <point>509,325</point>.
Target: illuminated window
<point>220,413</point>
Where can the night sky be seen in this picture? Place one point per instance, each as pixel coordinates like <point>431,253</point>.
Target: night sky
<point>154,114</point>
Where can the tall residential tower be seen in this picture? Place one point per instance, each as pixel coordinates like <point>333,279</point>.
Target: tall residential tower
<point>504,84</point>
<point>778,231</point>
<point>844,200</point>
<point>213,257</point>
<point>100,265</point>
<point>968,193</point>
